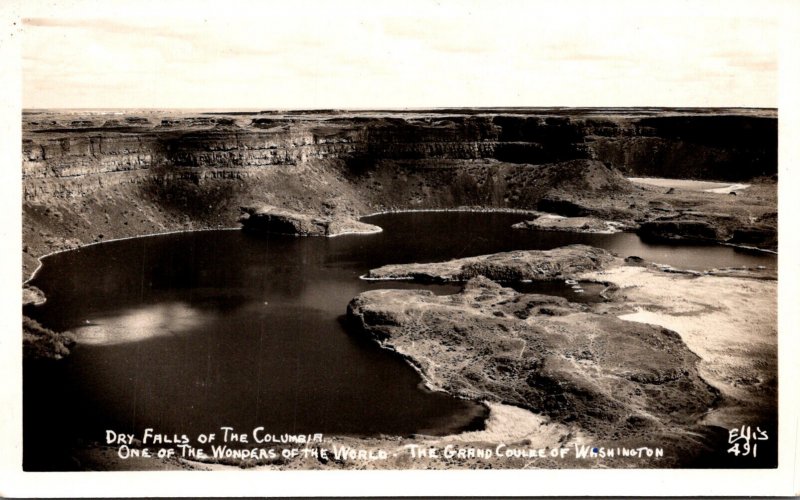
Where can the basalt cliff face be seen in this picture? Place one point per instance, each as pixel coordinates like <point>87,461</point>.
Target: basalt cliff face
<point>94,176</point>
<point>723,147</point>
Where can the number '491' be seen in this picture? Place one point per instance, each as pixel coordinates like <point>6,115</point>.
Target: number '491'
<point>745,449</point>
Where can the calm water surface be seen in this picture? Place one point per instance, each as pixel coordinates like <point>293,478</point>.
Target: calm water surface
<point>189,332</point>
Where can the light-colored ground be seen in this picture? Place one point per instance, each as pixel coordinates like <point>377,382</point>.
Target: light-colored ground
<point>690,185</point>
<point>731,323</point>
<point>508,424</point>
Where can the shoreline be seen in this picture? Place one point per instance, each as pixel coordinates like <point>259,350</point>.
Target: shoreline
<point>230,228</point>
<point>111,240</point>
<point>456,209</point>
<point>358,218</point>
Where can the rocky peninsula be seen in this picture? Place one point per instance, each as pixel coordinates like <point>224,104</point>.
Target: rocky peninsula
<point>276,220</point>
<point>544,265</point>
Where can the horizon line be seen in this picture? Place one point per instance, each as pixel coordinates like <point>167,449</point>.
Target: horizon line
<point>408,108</point>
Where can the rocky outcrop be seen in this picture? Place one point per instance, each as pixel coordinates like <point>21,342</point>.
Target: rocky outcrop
<point>758,235</point>
<point>551,222</point>
<point>537,265</point>
<point>39,342</point>
<point>688,226</point>
<point>730,322</point>
<point>271,219</point>
<point>609,376</point>
<point>32,295</point>
<point>678,230</point>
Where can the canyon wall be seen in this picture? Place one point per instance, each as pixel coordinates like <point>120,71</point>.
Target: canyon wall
<point>93,176</point>
<point>722,147</point>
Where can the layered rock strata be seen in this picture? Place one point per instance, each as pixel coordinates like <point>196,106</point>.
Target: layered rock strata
<point>93,177</point>
<point>716,144</point>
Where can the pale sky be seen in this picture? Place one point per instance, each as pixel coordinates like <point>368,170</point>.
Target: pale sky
<point>352,54</point>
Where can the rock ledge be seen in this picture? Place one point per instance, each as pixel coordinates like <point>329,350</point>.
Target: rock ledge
<point>270,219</point>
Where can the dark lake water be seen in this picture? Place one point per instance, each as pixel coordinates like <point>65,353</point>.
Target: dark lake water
<point>189,332</point>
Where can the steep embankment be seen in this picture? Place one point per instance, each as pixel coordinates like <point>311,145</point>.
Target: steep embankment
<point>93,177</point>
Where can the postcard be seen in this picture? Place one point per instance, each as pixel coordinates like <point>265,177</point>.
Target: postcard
<point>426,248</point>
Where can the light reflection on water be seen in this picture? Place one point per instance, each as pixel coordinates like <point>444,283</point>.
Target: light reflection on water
<point>140,323</point>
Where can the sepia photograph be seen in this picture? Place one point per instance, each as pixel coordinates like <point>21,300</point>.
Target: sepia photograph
<point>263,244</point>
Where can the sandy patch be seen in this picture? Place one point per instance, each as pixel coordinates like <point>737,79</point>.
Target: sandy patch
<point>509,424</point>
<point>690,185</point>
<point>727,189</point>
<point>731,323</point>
